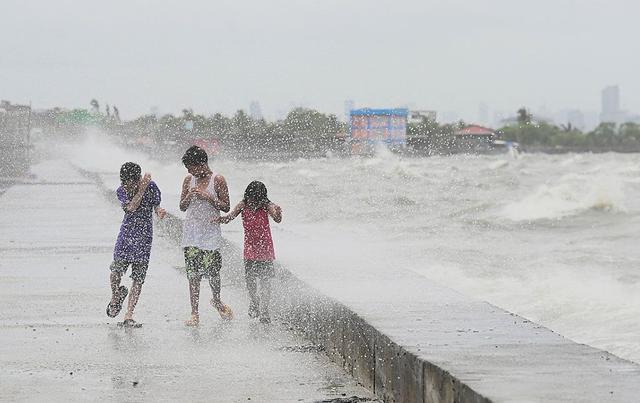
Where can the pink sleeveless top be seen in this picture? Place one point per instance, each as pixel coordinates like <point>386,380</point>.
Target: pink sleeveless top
<point>258,244</point>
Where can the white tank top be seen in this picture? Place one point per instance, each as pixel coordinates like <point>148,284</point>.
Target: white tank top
<point>197,228</point>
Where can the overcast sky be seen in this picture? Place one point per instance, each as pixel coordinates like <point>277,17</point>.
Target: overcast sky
<point>218,56</point>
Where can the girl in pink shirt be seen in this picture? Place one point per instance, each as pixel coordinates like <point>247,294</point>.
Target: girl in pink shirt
<point>259,255</point>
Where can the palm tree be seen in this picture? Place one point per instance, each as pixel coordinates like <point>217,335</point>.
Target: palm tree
<point>524,117</point>
<point>95,105</point>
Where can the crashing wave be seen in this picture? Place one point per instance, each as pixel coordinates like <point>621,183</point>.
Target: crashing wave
<point>573,195</point>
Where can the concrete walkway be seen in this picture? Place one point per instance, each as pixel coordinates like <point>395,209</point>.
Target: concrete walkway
<point>57,344</point>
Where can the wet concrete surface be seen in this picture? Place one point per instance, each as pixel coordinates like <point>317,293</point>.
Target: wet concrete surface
<point>57,344</point>
<point>408,339</point>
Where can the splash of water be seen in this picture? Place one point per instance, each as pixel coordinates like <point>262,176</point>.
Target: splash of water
<point>449,220</point>
<point>571,195</point>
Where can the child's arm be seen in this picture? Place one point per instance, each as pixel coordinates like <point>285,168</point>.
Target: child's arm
<point>185,196</point>
<point>156,199</point>
<point>160,212</point>
<point>222,190</point>
<point>137,199</point>
<point>233,214</point>
<point>275,212</point>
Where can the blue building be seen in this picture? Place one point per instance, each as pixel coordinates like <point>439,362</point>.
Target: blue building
<point>369,127</point>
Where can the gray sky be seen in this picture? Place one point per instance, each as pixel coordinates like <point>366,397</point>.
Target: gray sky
<point>218,56</point>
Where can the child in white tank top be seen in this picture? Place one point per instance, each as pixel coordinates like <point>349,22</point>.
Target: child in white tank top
<point>203,195</point>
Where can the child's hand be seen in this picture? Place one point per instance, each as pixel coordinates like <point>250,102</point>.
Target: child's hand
<point>201,194</point>
<point>160,212</point>
<point>221,220</point>
<point>145,179</point>
<point>275,212</point>
<point>277,209</point>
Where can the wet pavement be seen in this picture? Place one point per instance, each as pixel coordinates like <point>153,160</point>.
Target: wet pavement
<point>56,343</point>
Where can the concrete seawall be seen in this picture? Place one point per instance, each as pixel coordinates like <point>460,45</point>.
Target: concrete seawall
<point>472,352</point>
<point>409,340</point>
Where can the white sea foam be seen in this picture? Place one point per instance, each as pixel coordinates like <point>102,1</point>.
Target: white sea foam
<point>571,195</point>
<point>571,160</point>
<point>498,164</point>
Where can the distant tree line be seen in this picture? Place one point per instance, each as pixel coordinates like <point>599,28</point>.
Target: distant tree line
<point>307,131</point>
<point>532,134</point>
<point>303,131</point>
<point>528,132</point>
<point>431,136</point>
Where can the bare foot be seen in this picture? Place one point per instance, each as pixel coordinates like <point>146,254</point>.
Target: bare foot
<point>224,310</point>
<point>194,321</point>
<point>128,316</point>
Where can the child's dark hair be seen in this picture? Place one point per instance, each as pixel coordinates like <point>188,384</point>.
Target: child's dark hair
<point>194,156</point>
<point>256,192</point>
<point>130,171</point>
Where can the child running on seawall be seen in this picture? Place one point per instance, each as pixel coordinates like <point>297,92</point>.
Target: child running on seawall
<point>138,197</point>
<point>259,254</point>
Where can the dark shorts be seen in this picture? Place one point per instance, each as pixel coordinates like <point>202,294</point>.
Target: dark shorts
<point>259,268</point>
<point>202,263</point>
<point>138,270</point>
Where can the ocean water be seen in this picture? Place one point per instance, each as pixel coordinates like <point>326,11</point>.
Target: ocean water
<point>550,237</point>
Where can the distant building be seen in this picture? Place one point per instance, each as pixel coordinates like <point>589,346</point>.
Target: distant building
<point>610,111</point>
<point>370,127</point>
<point>15,128</point>
<point>591,119</point>
<point>474,138</point>
<point>633,119</point>
<point>255,111</point>
<point>576,119</point>
<point>416,116</point>
<point>450,116</point>
<point>476,131</point>
<point>281,114</point>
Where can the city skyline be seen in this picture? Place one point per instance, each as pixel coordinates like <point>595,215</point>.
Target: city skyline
<point>220,57</point>
<point>610,111</point>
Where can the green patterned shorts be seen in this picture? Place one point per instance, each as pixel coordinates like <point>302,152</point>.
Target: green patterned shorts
<point>202,263</point>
